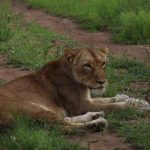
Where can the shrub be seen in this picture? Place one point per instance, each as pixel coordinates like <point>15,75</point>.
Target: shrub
<point>5,19</point>
<point>133,28</point>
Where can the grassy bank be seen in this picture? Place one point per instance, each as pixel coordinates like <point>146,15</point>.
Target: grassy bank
<point>31,46</point>
<point>123,71</point>
<point>129,20</point>
<point>27,134</point>
<point>27,44</point>
<point>5,23</point>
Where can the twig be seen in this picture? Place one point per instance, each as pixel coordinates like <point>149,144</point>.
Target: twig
<point>147,51</point>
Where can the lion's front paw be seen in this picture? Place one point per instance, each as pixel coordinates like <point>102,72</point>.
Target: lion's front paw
<point>132,102</point>
<point>95,115</point>
<point>97,125</point>
<point>120,98</point>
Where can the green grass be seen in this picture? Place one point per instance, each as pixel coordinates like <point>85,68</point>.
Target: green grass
<point>5,26</point>
<point>31,46</point>
<point>129,20</point>
<point>129,123</point>
<point>122,71</point>
<point>133,125</point>
<point>134,27</point>
<point>137,134</point>
<point>120,117</point>
<point>27,134</point>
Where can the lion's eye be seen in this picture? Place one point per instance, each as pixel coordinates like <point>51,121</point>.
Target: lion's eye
<point>87,66</point>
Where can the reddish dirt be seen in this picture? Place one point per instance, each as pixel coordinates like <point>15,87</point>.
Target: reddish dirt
<point>140,85</point>
<point>69,29</point>
<point>7,72</point>
<point>101,141</point>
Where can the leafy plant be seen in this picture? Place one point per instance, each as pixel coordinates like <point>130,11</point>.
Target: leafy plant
<point>5,23</point>
<point>133,28</point>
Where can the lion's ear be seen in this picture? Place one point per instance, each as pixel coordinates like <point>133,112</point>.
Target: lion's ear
<point>104,50</point>
<point>70,55</point>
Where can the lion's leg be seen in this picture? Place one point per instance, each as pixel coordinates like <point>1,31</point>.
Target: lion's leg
<point>89,116</point>
<point>88,106</point>
<point>96,125</point>
<point>77,122</point>
<point>39,111</point>
<point>102,100</point>
<point>52,115</point>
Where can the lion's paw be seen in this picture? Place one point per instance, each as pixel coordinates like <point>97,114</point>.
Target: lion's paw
<point>97,125</point>
<point>121,98</point>
<point>95,115</point>
<point>136,102</point>
<point>132,102</point>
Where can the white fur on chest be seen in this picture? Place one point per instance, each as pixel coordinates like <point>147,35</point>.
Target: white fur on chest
<point>97,92</point>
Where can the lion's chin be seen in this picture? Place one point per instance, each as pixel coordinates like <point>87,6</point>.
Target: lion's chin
<point>96,92</point>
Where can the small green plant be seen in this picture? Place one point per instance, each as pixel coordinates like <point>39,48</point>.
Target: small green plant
<point>31,46</point>
<point>131,124</point>
<point>5,17</point>
<point>137,133</point>
<point>119,117</point>
<point>122,71</point>
<point>133,28</point>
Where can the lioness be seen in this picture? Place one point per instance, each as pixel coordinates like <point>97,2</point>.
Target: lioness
<point>60,91</point>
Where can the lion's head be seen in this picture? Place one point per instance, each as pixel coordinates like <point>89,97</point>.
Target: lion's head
<point>88,67</point>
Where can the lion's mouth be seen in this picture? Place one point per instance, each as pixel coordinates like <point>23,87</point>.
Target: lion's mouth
<point>95,92</point>
<point>99,87</point>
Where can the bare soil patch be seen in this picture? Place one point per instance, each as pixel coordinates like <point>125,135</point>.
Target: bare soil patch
<point>8,72</point>
<point>139,85</point>
<point>101,141</point>
<point>66,27</point>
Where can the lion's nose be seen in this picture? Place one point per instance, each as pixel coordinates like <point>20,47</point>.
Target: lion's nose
<point>100,82</point>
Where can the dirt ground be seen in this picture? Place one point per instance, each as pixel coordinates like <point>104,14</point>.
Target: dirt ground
<point>95,141</point>
<point>101,141</point>
<point>8,72</point>
<point>91,39</point>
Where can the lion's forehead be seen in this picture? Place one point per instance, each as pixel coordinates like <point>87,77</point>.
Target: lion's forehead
<point>95,57</point>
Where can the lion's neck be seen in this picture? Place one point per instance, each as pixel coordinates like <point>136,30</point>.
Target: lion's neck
<point>85,94</point>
